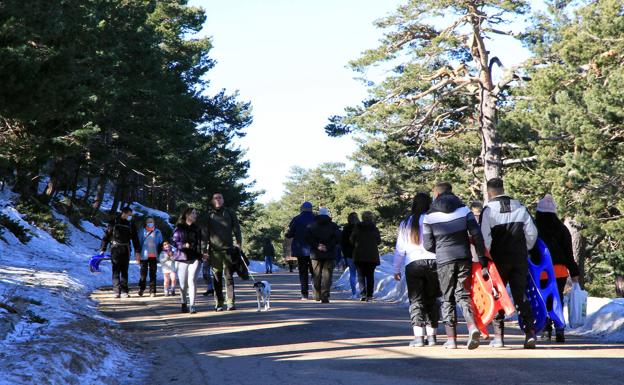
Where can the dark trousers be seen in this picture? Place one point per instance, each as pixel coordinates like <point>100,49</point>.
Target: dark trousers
<point>120,259</point>
<point>561,282</point>
<point>305,268</point>
<point>322,277</point>
<point>455,285</point>
<point>423,289</point>
<point>218,277</point>
<point>366,278</point>
<point>516,277</point>
<point>150,264</point>
<point>291,266</point>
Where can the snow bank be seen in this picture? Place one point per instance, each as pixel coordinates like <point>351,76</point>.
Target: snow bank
<point>50,331</point>
<point>259,267</point>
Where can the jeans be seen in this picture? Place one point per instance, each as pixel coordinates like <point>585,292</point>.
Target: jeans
<point>322,277</point>
<point>366,278</point>
<point>455,285</point>
<point>207,275</point>
<point>268,263</point>
<point>150,264</point>
<point>352,275</point>
<point>187,273</point>
<point>422,289</point>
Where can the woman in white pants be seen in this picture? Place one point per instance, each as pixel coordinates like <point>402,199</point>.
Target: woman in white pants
<point>187,240</point>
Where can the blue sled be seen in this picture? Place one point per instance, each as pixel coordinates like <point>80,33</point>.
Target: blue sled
<point>545,301</point>
<point>94,262</point>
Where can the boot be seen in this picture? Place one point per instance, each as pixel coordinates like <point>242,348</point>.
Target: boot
<point>451,337</point>
<point>473,337</point>
<point>530,339</point>
<point>185,308</point>
<point>499,334</point>
<point>559,336</point>
<point>431,336</point>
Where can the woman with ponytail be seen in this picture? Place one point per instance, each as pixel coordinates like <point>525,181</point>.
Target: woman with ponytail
<point>420,273</point>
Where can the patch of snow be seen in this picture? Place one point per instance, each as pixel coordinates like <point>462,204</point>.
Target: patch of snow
<point>259,267</point>
<point>605,320</point>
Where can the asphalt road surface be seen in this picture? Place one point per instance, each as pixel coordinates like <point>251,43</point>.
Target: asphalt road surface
<point>343,342</point>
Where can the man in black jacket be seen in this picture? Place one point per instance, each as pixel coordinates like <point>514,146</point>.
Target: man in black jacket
<point>446,230</point>
<point>323,236</point>
<point>120,233</point>
<point>509,233</point>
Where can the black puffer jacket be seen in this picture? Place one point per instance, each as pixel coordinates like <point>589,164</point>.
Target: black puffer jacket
<point>120,233</point>
<point>558,239</point>
<point>322,232</point>
<point>365,239</point>
<point>447,228</point>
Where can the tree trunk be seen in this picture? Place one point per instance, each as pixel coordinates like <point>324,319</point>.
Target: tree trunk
<point>579,247</point>
<point>74,185</point>
<point>490,144</point>
<point>88,189</point>
<point>619,285</point>
<point>101,186</point>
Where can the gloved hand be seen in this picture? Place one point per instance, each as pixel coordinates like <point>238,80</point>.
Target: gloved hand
<point>485,273</point>
<point>484,261</point>
<point>484,270</point>
<point>102,252</point>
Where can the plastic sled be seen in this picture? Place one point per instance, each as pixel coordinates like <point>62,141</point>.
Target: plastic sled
<point>545,301</point>
<point>94,262</point>
<point>488,296</point>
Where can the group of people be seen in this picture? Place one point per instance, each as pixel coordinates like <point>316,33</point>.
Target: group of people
<point>213,245</point>
<point>435,250</point>
<point>438,242</point>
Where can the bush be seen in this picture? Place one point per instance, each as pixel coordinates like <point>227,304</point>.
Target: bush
<point>20,232</point>
<point>41,216</point>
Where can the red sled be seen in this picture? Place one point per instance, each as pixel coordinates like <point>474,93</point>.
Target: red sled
<point>488,296</point>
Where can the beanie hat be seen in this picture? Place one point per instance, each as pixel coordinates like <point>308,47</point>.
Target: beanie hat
<point>547,205</point>
<point>306,206</point>
<point>324,211</point>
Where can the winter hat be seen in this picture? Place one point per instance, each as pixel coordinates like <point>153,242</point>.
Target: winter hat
<point>307,206</point>
<point>547,205</point>
<point>324,211</point>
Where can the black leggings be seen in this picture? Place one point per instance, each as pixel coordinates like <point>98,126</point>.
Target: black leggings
<point>366,278</point>
<point>150,264</point>
<point>422,289</point>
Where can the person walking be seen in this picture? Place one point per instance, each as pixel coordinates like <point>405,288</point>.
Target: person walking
<point>187,241</point>
<point>421,273</point>
<point>365,239</point>
<point>509,234</point>
<point>120,234</point>
<point>347,251</point>
<point>558,239</point>
<point>150,244</point>
<point>323,236</point>
<point>168,267</point>
<point>223,230</point>
<point>446,231</point>
<point>300,248</point>
<point>269,253</point>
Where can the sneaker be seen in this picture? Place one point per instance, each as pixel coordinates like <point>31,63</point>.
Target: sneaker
<point>193,310</point>
<point>167,293</point>
<point>140,293</point>
<point>530,340</point>
<point>363,299</point>
<point>173,292</point>
<point>231,307</point>
<point>473,338</point>
<point>417,342</point>
<point>219,308</point>
<point>304,297</point>
<point>497,342</point>
<point>325,300</point>
<point>369,299</point>
<point>152,295</point>
<point>432,340</point>
<point>560,337</point>
<point>117,295</point>
<point>185,308</point>
<point>208,292</point>
<point>125,295</point>
<point>451,343</point>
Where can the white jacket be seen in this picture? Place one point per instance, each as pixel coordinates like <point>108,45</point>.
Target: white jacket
<point>407,251</point>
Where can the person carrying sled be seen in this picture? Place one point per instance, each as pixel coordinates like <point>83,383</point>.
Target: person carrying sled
<point>150,244</point>
<point>446,231</point>
<point>558,239</point>
<point>120,234</point>
<point>509,234</point>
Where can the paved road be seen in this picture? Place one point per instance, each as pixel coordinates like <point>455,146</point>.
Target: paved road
<point>344,342</point>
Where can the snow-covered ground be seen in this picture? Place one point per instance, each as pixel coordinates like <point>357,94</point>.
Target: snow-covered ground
<point>605,316</point>
<point>50,331</point>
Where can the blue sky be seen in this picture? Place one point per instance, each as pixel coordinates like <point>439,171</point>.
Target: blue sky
<point>289,57</point>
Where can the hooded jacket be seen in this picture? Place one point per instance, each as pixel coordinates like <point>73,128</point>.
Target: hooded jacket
<point>446,230</point>
<point>297,230</point>
<point>558,239</point>
<point>508,230</point>
<point>322,231</point>
<point>365,239</point>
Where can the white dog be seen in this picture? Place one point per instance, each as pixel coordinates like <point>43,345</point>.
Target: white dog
<point>263,294</point>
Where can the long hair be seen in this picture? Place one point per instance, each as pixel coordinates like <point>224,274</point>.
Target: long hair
<point>353,219</point>
<point>420,205</point>
<point>185,212</point>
